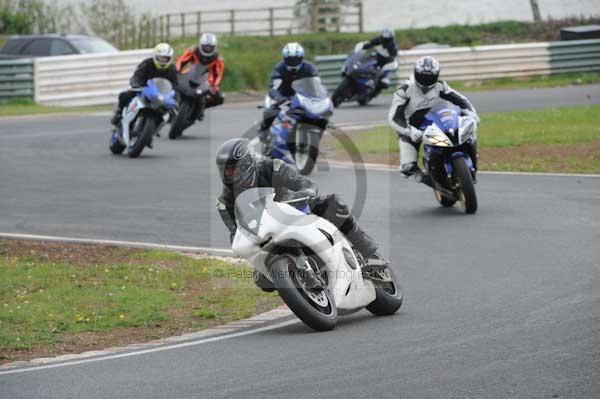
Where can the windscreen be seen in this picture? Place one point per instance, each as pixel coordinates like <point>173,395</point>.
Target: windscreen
<point>163,85</point>
<point>87,45</point>
<point>250,206</point>
<point>309,87</point>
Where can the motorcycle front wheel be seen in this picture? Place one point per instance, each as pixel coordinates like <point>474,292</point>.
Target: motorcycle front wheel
<point>468,198</point>
<point>341,92</point>
<point>315,307</point>
<point>182,120</point>
<point>305,153</point>
<point>144,131</point>
<point>388,293</point>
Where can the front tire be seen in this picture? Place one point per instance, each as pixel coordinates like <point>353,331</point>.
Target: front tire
<point>468,198</point>
<point>305,154</point>
<point>340,93</point>
<point>144,136</point>
<point>182,119</point>
<point>316,309</point>
<point>388,295</point>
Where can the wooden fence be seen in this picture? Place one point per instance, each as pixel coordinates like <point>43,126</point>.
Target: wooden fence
<point>325,17</point>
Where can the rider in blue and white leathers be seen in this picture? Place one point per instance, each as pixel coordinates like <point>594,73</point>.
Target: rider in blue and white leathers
<point>412,101</point>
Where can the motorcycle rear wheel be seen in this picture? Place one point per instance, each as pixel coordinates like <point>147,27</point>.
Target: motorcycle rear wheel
<point>443,200</point>
<point>115,145</point>
<point>315,308</point>
<point>468,198</point>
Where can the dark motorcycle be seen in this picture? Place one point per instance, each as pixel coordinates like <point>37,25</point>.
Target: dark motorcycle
<point>193,90</point>
<point>359,79</point>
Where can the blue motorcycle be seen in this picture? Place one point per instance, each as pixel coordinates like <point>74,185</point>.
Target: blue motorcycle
<point>360,74</point>
<point>296,132</point>
<point>448,139</point>
<point>143,117</point>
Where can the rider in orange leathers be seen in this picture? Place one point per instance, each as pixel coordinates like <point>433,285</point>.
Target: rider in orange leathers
<point>206,54</point>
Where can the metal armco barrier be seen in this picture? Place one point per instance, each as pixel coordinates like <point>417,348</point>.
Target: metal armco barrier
<point>487,62</point>
<point>91,79</point>
<point>16,79</point>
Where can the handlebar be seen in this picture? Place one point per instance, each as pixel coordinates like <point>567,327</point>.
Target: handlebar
<point>294,201</point>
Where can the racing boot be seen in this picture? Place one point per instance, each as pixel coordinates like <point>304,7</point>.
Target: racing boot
<point>115,121</point>
<point>367,248</point>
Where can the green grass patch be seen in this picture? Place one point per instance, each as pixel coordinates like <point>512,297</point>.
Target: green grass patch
<point>45,301</point>
<point>561,79</point>
<point>558,139</point>
<point>21,107</point>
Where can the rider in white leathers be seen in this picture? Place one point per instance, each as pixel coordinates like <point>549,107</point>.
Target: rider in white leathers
<point>412,101</point>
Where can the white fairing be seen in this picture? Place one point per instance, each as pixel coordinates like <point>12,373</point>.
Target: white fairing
<point>467,129</point>
<point>349,290</point>
<point>129,114</point>
<point>315,106</point>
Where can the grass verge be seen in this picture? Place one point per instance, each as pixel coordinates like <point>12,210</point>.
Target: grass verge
<point>62,298</point>
<point>530,82</point>
<point>553,140</point>
<point>28,107</point>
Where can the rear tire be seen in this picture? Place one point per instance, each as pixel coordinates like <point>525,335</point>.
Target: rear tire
<point>340,93</point>
<point>467,188</point>
<point>364,101</point>
<point>181,121</point>
<point>388,296</point>
<point>320,317</point>
<point>144,138</point>
<point>443,200</point>
<point>115,145</point>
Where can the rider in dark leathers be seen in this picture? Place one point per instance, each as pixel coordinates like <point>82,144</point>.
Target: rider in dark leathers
<point>291,68</point>
<point>240,171</point>
<point>160,65</point>
<point>386,51</point>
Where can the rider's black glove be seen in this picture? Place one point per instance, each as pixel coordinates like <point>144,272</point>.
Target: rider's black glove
<point>307,193</point>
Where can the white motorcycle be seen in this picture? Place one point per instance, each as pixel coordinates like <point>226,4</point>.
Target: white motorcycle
<point>308,261</point>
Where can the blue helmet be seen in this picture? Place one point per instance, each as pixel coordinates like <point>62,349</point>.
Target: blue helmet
<point>293,56</point>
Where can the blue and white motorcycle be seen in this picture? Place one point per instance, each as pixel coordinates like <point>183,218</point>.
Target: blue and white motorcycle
<point>360,74</point>
<point>448,139</point>
<point>296,132</point>
<point>143,118</point>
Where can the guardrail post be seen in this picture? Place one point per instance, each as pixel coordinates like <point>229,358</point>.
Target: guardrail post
<point>535,9</point>
<point>154,31</point>
<point>271,22</point>
<point>182,24</point>
<point>360,17</point>
<point>198,23</point>
<point>168,27</point>
<point>314,17</point>
<point>36,86</point>
<point>232,21</point>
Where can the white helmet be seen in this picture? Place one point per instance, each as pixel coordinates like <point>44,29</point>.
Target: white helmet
<point>163,56</point>
<point>207,44</point>
<point>293,56</point>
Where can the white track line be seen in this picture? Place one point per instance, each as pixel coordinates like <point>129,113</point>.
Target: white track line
<point>133,244</point>
<point>152,350</point>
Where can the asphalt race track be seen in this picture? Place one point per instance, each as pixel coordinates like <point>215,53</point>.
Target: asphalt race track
<point>505,303</point>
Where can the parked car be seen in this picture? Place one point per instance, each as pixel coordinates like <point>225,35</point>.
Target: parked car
<point>27,46</point>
